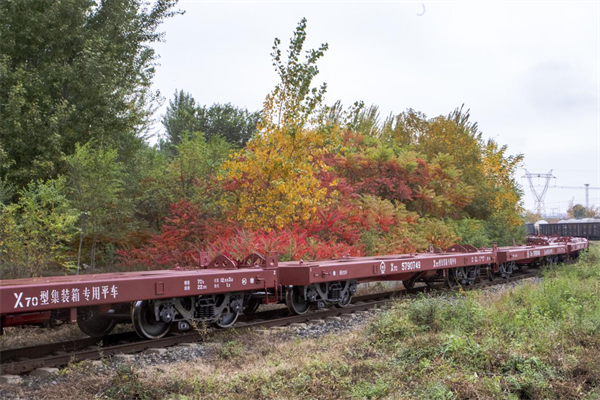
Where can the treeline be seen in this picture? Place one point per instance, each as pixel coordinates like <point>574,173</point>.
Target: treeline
<point>80,185</point>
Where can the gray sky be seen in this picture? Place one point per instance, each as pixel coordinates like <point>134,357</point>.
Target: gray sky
<point>529,71</point>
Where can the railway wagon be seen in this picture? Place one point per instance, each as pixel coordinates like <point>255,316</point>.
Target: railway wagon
<point>217,291</point>
<point>588,228</point>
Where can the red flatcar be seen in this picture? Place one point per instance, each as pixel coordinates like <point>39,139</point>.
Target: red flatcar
<point>218,291</point>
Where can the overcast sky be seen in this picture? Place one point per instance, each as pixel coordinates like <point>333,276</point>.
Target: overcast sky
<point>529,71</point>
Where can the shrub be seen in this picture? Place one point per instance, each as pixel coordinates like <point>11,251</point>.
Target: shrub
<point>35,231</point>
<point>230,349</point>
<point>471,231</point>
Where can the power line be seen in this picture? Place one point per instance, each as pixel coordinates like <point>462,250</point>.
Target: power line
<point>585,186</point>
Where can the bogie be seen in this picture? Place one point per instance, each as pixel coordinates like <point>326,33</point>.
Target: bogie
<point>299,299</point>
<point>154,319</point>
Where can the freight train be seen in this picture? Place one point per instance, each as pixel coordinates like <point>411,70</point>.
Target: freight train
<point>217,291</point>
<point>588,228</point>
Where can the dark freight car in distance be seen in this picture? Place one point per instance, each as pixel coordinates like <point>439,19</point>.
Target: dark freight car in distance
<point>586,228</point>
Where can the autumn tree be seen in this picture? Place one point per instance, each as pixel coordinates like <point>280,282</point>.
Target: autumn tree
<point>275,177</point>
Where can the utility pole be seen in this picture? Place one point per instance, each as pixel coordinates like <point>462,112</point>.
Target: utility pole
<point>587,195</point>
<point>585,186</point>
<point>539,197</point>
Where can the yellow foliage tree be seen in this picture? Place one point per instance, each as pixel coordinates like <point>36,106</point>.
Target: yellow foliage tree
<point>503,193</point>
<point>275,177</point>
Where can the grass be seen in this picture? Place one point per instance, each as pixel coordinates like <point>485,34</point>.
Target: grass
<point>535,341</point>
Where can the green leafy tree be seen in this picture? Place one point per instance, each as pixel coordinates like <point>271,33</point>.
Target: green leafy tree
<point>183,117</point>
<point>190,175</point>
<point>71,71</point>
<point>363,119</point>
<point>579,211</point>
<point>6,191</point>
<point>236,125</point>
<point>96,185</point>
<point>35,230</point>
<point>294,103</point>
<point>471,231</point>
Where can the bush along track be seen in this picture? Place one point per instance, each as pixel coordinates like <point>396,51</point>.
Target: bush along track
<point>538,340</point>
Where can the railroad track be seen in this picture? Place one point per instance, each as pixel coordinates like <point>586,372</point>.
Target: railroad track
<point>26,359</point>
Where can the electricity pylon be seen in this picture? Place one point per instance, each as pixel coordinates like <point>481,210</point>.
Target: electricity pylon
<point>539,197</point>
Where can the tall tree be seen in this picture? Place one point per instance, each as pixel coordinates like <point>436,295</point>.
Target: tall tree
<point>71,71</point>
<point>183,117</point>
<point>96,184</point>
<point>236,125</point>
<point>191,174</point>
<point>275,176</point>
<point>294,104</point>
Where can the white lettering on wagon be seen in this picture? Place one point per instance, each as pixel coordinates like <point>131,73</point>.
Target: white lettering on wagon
<point>202,284</point>
<point>411,265</point>
<point>534,253</point>
<point>548,251</point>
<point>227,281</point>
<point>54,297</point>
<point>444,262</point>
<point>478,259</point>
<point>44,298</point>
<point>29,301</point>
<point>19,297</point>
<point>66,296</point>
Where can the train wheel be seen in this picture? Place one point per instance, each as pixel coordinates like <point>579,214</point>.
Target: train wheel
<point>296,301</point>
<point>345,300</point>
<point>144,323</point>
<point>228,307</point>
<point>409,284</point>
<point>490,273</point>
<point>511,267</point>
<point>461,275</point>
<point>471,274</point>
<point>252,306</point>
<point>505,270</point>
<point>94,324</point>
<point>227,319</point>
<point>451,278</point>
